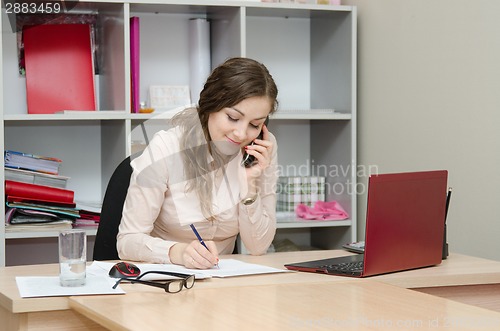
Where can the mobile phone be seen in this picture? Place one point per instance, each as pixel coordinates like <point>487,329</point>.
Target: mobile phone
<point>249,160</point>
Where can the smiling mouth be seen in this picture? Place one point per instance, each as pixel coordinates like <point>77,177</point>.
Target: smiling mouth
<point>232,141</point>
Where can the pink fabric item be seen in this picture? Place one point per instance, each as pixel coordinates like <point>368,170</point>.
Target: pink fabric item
<point>322,211</point>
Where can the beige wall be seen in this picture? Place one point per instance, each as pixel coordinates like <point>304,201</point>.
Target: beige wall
<point>429,98</point>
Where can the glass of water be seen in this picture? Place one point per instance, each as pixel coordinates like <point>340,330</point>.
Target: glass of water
<point>72,257</point>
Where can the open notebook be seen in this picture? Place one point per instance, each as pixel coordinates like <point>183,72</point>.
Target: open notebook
<point>405,221</point>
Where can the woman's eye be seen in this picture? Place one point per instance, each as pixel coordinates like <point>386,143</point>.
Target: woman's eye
<point>231,118</point>
<point>255,126</point>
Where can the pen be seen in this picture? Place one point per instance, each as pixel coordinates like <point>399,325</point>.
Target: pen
<point>445,243</point>
<point>448,198</point>
<point>199,238</point>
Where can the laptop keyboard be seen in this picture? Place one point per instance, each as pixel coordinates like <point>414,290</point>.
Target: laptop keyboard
<point>346,267</point>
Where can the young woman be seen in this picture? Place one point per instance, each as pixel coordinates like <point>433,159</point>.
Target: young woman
<point>193,174</point>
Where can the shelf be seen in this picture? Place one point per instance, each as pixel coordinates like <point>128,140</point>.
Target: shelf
<point>88,116</point>
<point>75,116</point>
<point>272,9</point>
<point>288,220</point>
<point>310,50</point>
<point>122,115</point>
<point>292,10</point>
<point>42,234</point>
<point>298,223</point>
<point>310,115</point>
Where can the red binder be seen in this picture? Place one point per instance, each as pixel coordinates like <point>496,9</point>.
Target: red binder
<point>59,68</point>
<point>30,201</point>
<point>135,62</point>
<point>38,192</point>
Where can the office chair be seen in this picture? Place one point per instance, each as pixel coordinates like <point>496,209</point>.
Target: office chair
<point>111,212</point>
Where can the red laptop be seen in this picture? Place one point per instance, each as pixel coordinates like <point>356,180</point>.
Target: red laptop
<point>405,220</point>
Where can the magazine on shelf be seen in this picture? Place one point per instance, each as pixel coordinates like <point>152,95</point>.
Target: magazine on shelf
<point>85,223</point>
<point>90,214</point>
<point>35,177</point>
<point>26,161</point>
<point>14,199</point>
<point>52,226</point>
<point>57,210</point>
<point>21,220</point>
<point>29,216</point>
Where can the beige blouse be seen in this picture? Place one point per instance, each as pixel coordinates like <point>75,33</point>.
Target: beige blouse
<point>158,210</point>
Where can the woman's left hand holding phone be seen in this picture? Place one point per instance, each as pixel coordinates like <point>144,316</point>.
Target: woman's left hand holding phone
<point>261,150</point>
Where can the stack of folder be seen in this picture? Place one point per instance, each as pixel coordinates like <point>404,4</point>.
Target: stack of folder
<point>31,207</point>
<point>37,207</point>
<point>36,196</point>
<point>89,216</point>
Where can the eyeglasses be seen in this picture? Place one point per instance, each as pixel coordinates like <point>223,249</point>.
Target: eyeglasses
<point>170,286</point>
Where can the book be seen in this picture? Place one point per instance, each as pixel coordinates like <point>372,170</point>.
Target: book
<point>88,215</point>
<point>35,177</point>
<point>27,216</point>
<point>19,220</point>
<point>44,202</point>
<point>33,162</point>
<point>51,226</point>
<point>59,68</point>
<point>38,192</point>
<point>90,206</point>
<point>84,223</point>
<point>135,62</point>
<point>57,210</point>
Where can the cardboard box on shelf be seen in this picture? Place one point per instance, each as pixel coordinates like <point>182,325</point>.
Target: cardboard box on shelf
<point>294,190</point>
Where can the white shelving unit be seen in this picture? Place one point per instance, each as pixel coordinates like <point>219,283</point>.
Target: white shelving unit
<point>309,49</point>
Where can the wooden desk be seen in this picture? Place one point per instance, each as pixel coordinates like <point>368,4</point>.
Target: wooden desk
<point>34,313</point>
<point>462,278</point>
<point>358,305</point>
<point>22,314</point>
<point>456,270</point>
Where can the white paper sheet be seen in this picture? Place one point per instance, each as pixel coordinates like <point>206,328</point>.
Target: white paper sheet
<point>30,287</point>
<point>99,282</point>
<point>227,268</point>
<point>232,268</point>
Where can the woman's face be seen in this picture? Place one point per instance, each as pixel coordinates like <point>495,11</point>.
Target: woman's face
<point>234,127</point>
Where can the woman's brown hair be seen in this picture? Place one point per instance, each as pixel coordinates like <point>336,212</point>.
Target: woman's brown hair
<point>230,83</point>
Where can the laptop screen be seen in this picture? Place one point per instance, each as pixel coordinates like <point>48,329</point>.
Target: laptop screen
<point>404,221</point>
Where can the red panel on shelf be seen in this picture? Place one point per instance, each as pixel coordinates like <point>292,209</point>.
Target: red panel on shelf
<point>59,68</point>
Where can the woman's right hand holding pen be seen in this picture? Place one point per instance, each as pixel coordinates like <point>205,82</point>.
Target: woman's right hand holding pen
<point>200,257</point>
<point>194,255</point>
